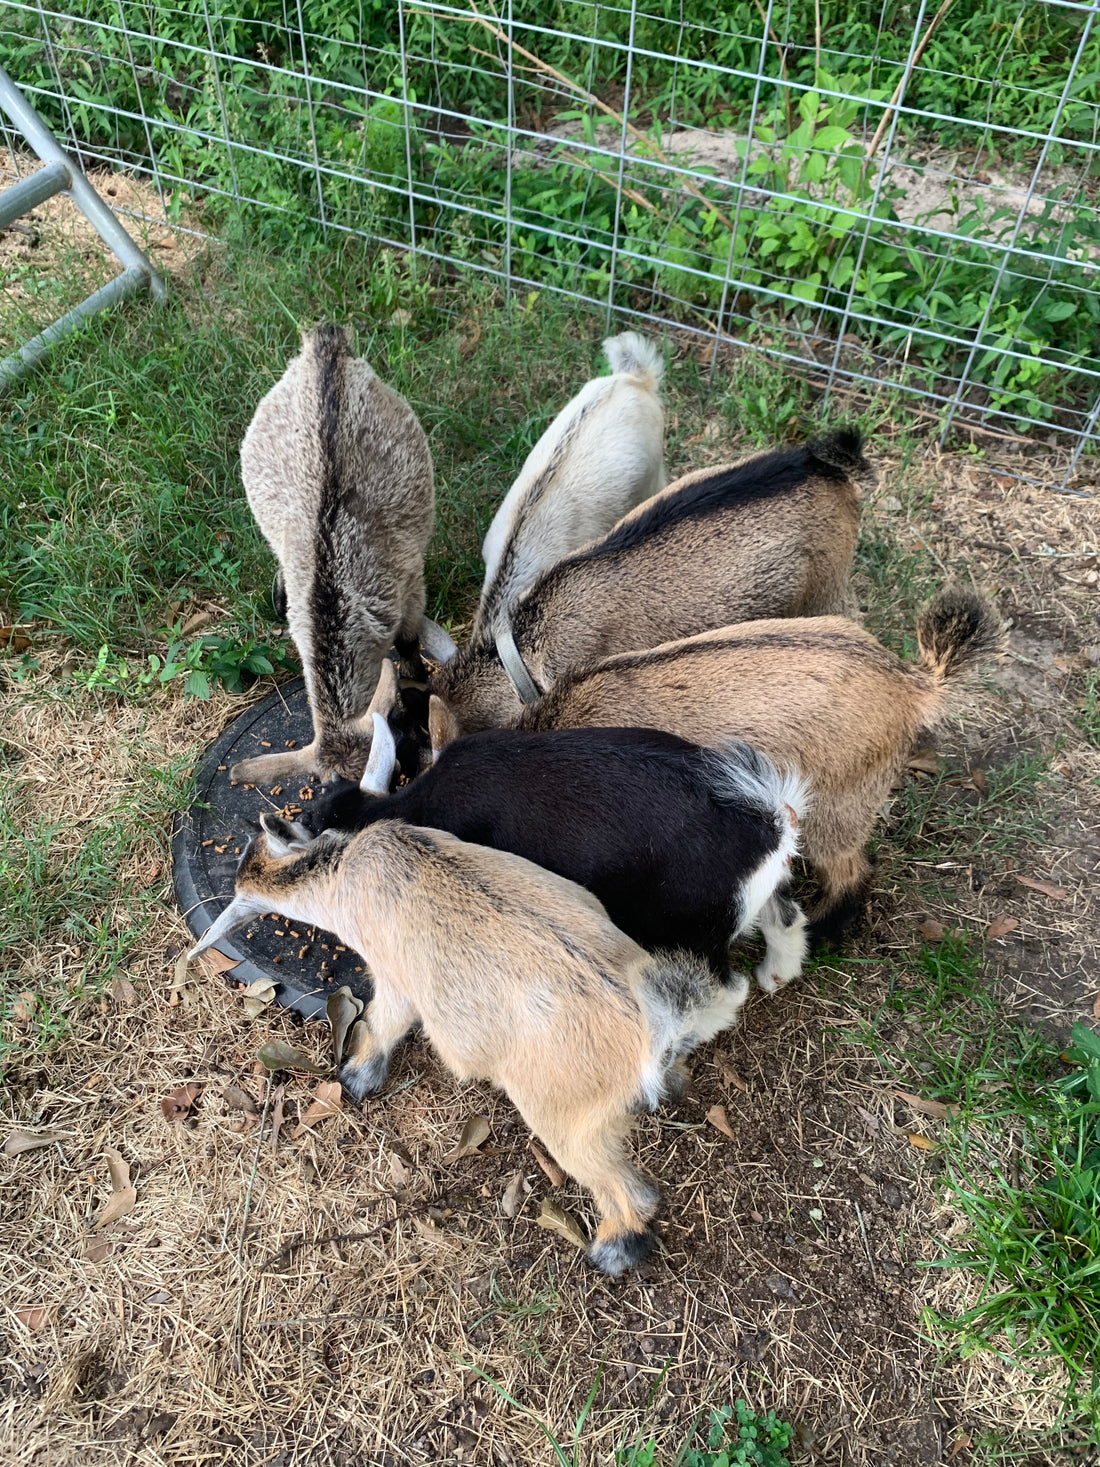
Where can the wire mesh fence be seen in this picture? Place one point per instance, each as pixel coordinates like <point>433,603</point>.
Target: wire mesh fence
<point>877,193</point>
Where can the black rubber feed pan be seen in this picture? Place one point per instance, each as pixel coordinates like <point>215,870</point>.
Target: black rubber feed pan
<point>305,963</point>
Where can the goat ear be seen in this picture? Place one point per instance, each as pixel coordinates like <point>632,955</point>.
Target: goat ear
<point>283,836</point>
<point>385,696</point>
<point>383,756</point>
<point>240,910</point>
<point>437,643</point>
<point>442,724</point>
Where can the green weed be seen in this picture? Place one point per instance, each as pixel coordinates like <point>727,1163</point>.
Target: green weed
<point>798,247</point>
<point>736,1437</point>
<point>1089,717</point>
<point>1020,1159</point>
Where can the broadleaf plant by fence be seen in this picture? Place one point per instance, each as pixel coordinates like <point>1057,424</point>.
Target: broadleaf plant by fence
<point>892,192</point>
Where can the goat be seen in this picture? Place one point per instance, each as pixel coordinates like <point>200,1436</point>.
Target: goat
<point>602,455</point>
<point>337,472</point>
<point>771,536</point>
<point>685,847</point>
<point>517,976</point>
<point>818,694</point>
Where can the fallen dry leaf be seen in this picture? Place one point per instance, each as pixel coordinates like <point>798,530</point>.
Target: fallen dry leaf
<point>511,1203</point>
<point>34,1317</point>
<point>931,930</point>
<point>1048,888</point>
<point>123,993</point>
<point>922,1143</point>
<point>278,1055</point>
<point>119,1169</point>
<point>24,1008</point>
<point>326,1102</point>
<point>475,1133</point>
<point>118,1205</point>
<point>97,1249</point>
<point>176,1106</point>
<point>961,1444</point>
<point>719,1120</point>
<point>20,1141</point>
<point>548,1164</point>
<point>924,761</point>
<point>1001,927</point>
<point>123,1195</point>
<point>870,1121</point>
<point>557,1220</point>
<point>14,639</point>
<point>399,1172</point>
<point>211,961</point>
<point>729,1075</point>
<point>237,1099</point>
<point>934,1108</point>
<point>256,997</point>
<point>979,781</point>
<point>342,1008</point>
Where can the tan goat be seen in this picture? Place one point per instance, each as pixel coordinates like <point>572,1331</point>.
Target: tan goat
<point>819,695</point>
<point>770,536</point>
<point>517,975</point>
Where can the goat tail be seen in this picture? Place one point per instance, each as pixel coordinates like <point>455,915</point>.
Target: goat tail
<point>737,773</point>
<point>956,631</point>
<point>839,456</point>
<point>327,342</point>
<point>632,353</point>
<point>685,1005</point>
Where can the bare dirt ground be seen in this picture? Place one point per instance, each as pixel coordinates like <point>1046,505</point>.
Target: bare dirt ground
<point>52,258</point>
<point>278,1292</point>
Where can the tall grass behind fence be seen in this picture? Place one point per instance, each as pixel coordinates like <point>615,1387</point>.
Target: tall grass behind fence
<point>898,192</point>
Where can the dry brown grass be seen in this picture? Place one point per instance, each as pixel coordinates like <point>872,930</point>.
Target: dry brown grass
<point>325,1297</point>
<point>52,258</point>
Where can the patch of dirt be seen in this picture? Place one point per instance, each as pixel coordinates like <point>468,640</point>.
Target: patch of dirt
<point>55,246</point>
<point>936,189</point>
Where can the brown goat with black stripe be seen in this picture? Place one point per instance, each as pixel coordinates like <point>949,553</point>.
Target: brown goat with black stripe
<point>771,536</point>
<point>819,695</point>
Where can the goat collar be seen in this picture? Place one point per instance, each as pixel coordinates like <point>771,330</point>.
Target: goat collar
<point>522,682</point>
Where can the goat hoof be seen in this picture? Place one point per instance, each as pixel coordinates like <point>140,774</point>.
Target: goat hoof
<point>360,1078</point>
<point>614,1255</point>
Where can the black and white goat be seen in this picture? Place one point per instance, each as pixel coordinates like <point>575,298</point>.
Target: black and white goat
<point>686,847</point>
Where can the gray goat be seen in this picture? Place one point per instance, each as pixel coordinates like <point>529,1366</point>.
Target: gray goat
<point>338,475</point>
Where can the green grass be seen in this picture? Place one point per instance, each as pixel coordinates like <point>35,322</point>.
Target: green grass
<point>1020,1163</point>
<point>72,895</point>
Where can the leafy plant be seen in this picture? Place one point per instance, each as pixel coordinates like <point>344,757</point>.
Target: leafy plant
<point>205,663</point>
<point>736,1437</point>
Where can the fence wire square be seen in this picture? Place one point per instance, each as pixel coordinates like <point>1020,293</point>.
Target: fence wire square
<point>899,195</point>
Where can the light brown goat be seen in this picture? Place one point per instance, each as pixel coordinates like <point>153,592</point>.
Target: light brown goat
<point>517,975</point>
<point>771,536</point>
<point>338,475</point>
<point>818,695</point>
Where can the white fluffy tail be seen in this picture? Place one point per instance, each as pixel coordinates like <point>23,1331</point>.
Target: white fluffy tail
<point>631,353</point>
<point>740,774</point>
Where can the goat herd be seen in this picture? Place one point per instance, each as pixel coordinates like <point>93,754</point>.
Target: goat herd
<point>664,699</point>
